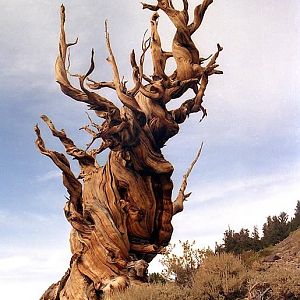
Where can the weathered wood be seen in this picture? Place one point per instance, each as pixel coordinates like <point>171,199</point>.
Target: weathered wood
<point>121,212</point>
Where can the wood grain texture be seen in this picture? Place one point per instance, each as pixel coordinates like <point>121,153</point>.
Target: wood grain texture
<point>121,212</point>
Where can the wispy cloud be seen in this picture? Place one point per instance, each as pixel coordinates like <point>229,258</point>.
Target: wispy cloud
<point>51,175</point>
<point>223,188</point>
<point>211,209</point>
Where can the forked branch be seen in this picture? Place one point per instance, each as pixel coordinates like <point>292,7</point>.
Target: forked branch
<point>72,184</point>
<point>95,101</point>
<point>178,203</point>
<point>195,105</point>
<point>83,157</point>
<point>128,101</point>
<point>138,71</point>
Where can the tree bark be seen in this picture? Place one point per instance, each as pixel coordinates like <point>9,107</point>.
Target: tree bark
<point>121,212</point>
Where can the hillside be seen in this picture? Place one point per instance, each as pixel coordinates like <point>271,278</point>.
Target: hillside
<point>289,250</point>
<point>271,274</point>
<point>277,274</point>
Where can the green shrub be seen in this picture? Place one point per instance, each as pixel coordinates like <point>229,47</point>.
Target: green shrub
<point>182,268</point>
<point>156,278</point>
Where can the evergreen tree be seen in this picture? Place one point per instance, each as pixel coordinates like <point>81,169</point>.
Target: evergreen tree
<point>256,241</point>
<point>295,222</point>
<point>239,242</point>
<point>275,229</point>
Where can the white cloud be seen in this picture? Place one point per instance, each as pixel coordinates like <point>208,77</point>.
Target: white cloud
<point>27,272</point>
<point>268,182</point>
<point>238,203</point>
<point>54,174</point>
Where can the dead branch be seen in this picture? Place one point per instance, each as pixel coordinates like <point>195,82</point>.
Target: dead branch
<point>72,184</point>
<point>94,85</point>
<point>178,203</point>
<point>159,57</point>
<point>97,103</point>
<point>83,157</point>
<point>192,105</point>
<point>149,6</point>
<point>199,13</point>
<point>138,71</point>
<point>195,105</point>
<point>129,102</point>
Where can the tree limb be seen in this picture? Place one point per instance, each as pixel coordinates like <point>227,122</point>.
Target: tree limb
<point>138,71</point>
<point>159,57</point>
<point>178,203</point>
<point>83,157</point>
<point>96,102</point>
<point>195,105</point>
<point>94,85</point>
<point>128,101</point>
<point>199,13</point>
<point>149,6</point>
<point>72,184</point>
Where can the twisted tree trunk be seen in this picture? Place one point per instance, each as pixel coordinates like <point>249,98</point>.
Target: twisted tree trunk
<point>121,212</point>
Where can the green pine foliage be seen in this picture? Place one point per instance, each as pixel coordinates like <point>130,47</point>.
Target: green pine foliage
<point>295,222</point>
<point>275,230</point>
<point>239,242</point>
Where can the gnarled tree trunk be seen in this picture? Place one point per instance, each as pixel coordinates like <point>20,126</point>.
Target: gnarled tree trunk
<point>121,212</point>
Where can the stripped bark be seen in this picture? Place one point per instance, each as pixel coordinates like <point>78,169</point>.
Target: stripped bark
<point>121,212</point>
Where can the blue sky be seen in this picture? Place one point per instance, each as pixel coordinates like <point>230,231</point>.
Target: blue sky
<point>250,167</point>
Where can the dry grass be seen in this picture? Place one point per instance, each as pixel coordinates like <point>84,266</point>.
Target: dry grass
<point>228,277</point>
<point>282,282</point>
<point>168,291</point>
<point>224,277</point>
<point>221,276</point>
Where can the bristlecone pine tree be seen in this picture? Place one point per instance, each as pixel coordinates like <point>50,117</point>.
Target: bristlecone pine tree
<point>121,212</point>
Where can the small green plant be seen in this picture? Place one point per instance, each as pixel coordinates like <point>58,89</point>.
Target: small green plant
<point>156,278</point>
<point>182,268</point>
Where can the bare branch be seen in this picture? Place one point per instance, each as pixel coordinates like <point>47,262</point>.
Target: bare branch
<point>149,6</point>
<point>94,85</point>
<point>178,203</point>
<point>135,75</point>
<point>95,135</point>
<point>178,87</point>
<point>60,65</point>
<point>128,101</point>
<point>70,181</point>
<point>199,13</point>
<point>159,57</point>
<point>96,102</point>
<point>195,105</point>
<point>211,66</point>
<point>192,105</point>
<point>83,157</point>
<point>185,5</point>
